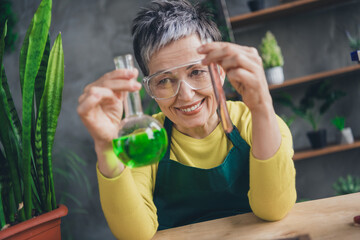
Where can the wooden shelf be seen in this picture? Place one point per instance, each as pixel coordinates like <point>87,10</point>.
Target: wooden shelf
<point>316,76</point>
<point>327,150</point>
<point>280,11</point>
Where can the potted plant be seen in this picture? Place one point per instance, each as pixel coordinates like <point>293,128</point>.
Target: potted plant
<point>27,197</point>
<point>256,5</point>
<point>272,59</point>
<point>317,100</point>
<point>350,184</point>
<point>345,136</point>
<point>354,44</point>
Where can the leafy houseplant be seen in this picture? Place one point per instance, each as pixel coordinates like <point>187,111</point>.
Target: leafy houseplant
<point>26,180</point>
<point>345,136</point>
<point>318,98</point>
<point>273,60</point>
<point>350,184</point>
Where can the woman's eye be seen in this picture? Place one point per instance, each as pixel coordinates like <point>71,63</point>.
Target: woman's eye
<point>197,72</point>
<point>164,81</point>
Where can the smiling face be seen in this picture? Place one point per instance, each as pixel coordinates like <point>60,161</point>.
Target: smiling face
<point>191,111</point>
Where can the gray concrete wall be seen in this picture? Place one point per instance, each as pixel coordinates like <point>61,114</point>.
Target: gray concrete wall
<point>94,32</point>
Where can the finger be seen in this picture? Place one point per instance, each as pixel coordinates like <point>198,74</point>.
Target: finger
<point>233,58</point>
<point>208,47</point>
<point>93,98</point>
<point>241,61</point>
<point>241,77</point>
<point>119,74</point>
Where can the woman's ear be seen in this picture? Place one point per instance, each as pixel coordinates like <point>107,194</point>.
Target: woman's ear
<point>222,74</point>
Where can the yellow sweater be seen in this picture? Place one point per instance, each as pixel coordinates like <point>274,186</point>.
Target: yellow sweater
<point>127,200</point>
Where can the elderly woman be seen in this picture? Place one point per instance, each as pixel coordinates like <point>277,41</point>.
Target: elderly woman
<point>207,174</point>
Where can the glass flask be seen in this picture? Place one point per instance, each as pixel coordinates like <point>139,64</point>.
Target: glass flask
<point>142,140</point>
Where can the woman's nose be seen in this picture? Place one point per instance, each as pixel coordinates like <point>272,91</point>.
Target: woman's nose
<point>186,92</point>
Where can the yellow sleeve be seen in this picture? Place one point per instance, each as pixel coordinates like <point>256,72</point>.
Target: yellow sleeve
<point>272,181</point>
<point>127,203</point>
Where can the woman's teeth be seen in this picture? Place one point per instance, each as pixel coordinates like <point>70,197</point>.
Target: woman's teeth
<point>191,108</point>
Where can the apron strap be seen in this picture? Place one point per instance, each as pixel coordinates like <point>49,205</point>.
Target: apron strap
<point>168,128</point>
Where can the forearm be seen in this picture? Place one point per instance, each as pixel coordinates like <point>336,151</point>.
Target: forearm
<point>272,181</point>
<point>266,137</point>
<point>129,214</point>
<point>108,163</point>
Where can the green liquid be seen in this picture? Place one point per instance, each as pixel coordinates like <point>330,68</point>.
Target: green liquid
<point>143,147</point>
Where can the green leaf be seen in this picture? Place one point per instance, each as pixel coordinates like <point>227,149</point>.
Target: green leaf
<point>15,122</point>
<point>35,49</point>
<point>39,162</point>
<point>50,107</point>
<point>2,214</point>
<point>2,43</point>
<point>41,76</point>
<point>11,149</point>
<point>23,55</point>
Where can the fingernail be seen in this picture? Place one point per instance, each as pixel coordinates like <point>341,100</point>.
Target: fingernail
<point>200,49</point>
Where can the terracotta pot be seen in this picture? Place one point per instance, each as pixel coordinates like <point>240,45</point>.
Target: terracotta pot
<point>43,227</point>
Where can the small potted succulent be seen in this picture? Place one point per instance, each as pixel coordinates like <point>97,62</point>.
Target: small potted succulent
<point>272,58</point>
<point>350,184</point>
<point>317,100</point>
<point>345,136</point>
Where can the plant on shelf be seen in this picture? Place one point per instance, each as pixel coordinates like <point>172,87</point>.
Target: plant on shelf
<point>318,98</point>
<point>26,180</point>
<point>354,41</point>
<point>345,136</point>
<point>350,184</point>
<point>354,44</point>
<point>272,58</point>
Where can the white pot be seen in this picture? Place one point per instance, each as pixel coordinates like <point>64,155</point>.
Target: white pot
<point>346,136</point>
<point>275,75</point>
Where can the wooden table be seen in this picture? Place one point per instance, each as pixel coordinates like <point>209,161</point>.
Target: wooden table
<point>329,218</point>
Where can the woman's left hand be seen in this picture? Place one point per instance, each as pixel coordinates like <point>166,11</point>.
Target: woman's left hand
<point>244,69</point>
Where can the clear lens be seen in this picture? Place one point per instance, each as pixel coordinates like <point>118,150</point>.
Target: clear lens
<point>166,83</point>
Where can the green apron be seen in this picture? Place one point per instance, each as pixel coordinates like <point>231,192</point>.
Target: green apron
<point>185,195</point>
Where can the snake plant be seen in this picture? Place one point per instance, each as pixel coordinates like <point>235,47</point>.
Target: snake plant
<point>26,178</point>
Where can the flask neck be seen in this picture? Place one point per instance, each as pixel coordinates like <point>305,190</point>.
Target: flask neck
<point>132,104</point>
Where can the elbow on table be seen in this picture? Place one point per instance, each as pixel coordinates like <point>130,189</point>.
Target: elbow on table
<point>273,211</point>
<point>133,235</point>
<point>272,216</point>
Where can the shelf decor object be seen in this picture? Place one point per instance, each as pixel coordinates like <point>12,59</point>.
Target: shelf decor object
<point>317,100</point>
<point>272,58</point>
<point>344,135</point>
<point>355,56</point>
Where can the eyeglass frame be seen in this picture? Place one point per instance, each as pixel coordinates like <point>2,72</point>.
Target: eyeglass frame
<point>147,79</point>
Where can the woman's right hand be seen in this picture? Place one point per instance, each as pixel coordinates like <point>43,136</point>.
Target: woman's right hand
<point>101,107</point>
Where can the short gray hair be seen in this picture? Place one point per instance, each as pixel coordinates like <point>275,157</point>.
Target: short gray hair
<point>165,21</point>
